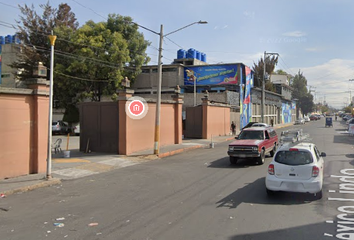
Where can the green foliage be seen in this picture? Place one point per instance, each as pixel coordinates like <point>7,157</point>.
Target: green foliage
<point>324,108</point>
<point>271,62</point>
<point>300,92</point>
<point>90,61</point>
<point>33,32</point>
<point>71,114</point>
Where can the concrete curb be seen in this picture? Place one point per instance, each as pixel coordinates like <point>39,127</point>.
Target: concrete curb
<point>174,152</point>
<point>44,183</point>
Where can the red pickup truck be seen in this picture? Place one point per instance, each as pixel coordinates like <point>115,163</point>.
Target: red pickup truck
<point>254,142</point>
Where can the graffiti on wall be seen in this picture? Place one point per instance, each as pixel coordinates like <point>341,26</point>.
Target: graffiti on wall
<point>286,112</point>
<point>245,97</point>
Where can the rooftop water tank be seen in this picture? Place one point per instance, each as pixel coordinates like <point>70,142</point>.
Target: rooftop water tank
<point>198,55</point>
<point>191,53</point>
<point>2,40</point>
<point>8,39</point>
<point>203,57</point>
<point>181,54</point>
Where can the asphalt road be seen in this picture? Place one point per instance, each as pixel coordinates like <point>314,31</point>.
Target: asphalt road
<point>194,195</point>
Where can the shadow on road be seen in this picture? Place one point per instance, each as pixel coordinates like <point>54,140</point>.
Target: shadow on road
<point>255,193</point>
<point>309,231</point>
<point>225,163</point>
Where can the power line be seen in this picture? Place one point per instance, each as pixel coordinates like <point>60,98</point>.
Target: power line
<point>90,9</point>
<point>9,5</point>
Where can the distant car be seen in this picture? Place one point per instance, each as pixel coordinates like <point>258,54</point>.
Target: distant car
<point>76,130</point>
<point>313,118</point>
<point>59,127</point>
<point>300,121</point>
<point>296,167</point>
<point>307,119</point>
<point>260,125</point>
<point>249,125</point>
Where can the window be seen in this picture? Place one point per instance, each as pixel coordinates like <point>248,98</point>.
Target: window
<point>169,70</point>
<point>145,71</point>
<point>294,158</point>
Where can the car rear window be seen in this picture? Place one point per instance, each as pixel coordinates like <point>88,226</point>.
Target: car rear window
<point>54,123</point>
<point>293,158</point>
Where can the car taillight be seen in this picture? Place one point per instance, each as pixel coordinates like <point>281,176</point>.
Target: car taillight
<point>271,169</point>
<point>315,171</point>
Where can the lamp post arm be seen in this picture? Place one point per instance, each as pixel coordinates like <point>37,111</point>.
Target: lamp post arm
<point>200,22</point>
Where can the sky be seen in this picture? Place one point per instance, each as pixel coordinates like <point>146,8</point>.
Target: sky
<point>314,37</point>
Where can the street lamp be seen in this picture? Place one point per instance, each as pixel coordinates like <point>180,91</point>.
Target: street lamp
<point>263,82</point>
<point>158,102</point>
<point>52,39</point>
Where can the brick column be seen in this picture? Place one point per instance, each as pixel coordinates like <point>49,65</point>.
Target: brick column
<point>39,126</point>
<point>123,96</point>
<point>178,98</point>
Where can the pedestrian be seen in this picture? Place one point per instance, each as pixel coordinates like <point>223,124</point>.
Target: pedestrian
<point>271,122</point>
<point>233,128</point>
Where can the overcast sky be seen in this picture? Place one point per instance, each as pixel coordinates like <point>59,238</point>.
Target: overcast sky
<point>314,36</point>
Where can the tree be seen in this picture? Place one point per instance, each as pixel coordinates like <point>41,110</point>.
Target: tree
<point>105,53</point>
<point>271,62</point>
<point>300,92</point>
<point>33,32</point>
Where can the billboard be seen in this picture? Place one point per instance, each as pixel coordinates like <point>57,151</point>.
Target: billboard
<point>245,96</point>
<point>211,75</point>
<point>0,62</point>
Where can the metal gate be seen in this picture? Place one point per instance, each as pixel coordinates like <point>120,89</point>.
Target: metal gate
<point>99,127</point>
<point>194,122</point>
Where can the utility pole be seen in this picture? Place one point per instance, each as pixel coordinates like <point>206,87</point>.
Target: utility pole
<point>263,82</point>
<point>52,39</point>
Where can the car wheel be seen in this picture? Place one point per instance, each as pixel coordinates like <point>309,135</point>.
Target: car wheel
<point>233,160</point>
<point>273,150</point>
<point>261,158</point>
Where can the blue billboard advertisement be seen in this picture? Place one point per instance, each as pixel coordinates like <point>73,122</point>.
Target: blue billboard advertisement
<point>211,75</point>
<point>0,62</point>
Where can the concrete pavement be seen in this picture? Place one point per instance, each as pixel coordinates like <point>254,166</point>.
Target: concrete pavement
<point>85,164</point>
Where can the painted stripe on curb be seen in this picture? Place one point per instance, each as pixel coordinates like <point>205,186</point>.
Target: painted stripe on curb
<point>162,155</point>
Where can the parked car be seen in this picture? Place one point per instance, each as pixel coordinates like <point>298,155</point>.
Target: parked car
<point>76,130</point>
<point>59,127</point>
<point>260,125</point>
<point>296,167</point>
<point>255,143</point>
<point>307,119</point>
<point>313,118</point>
<point>300,121</point>
<point>249,125</point>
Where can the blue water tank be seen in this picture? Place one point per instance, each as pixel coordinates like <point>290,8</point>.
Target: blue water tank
<point>8,39</point>
<point>191,53</point>
<point>181,54</point>
<point>198,55</point>
<point>203,57</point>
<point>2,40</point>
<point>16,39</point>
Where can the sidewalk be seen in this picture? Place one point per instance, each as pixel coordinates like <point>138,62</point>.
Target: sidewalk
<point>81,164</point>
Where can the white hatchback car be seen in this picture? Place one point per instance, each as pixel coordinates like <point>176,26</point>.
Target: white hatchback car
<point>296,167</point>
